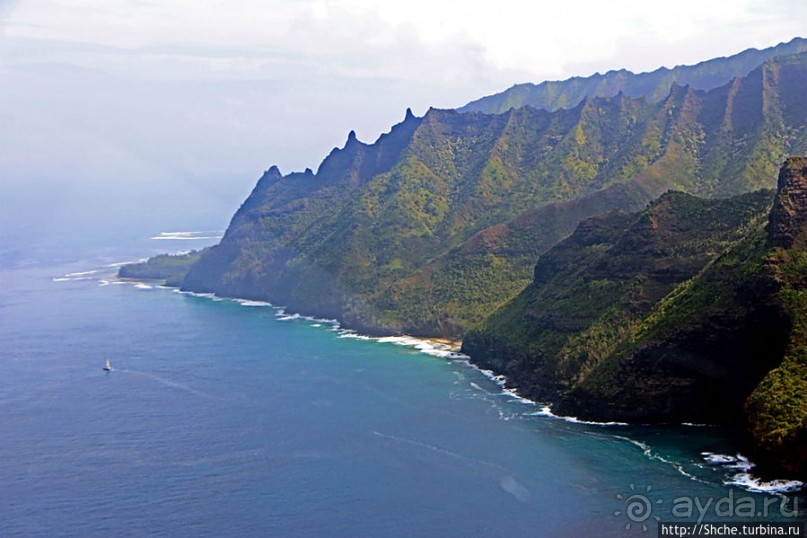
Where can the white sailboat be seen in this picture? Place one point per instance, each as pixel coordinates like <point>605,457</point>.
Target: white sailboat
<point>107,367</point>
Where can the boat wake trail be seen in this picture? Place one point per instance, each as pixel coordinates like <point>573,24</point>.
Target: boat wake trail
<point>503,476</point>
<point>167,382</point>
<point>437,449</point>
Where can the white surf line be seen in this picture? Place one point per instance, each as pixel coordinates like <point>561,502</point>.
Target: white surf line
<point>179,238</point>
<point>92,274</point>
<point>547,412</point>
<point>648,452</point>
<point>441,350</point>
<point>745,478</point>
<point>121,264</point>
<point>757,485</point>
<point>102,274</point>
<point>426,346</point>
<point>244,302</point>
<point>500,380</point>
<point>438,349</point>
<point>82,273</point>
<point>189,236</point>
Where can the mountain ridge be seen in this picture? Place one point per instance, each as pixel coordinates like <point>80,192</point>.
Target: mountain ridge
<point>385,236</point>
<point>706,75</point>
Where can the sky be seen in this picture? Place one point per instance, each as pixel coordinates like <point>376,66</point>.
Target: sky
<point>128,96</point>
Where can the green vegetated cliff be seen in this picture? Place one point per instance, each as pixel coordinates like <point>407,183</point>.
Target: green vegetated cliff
<point>692,310</point>
<point>439,222</point>
<point>552,95</point>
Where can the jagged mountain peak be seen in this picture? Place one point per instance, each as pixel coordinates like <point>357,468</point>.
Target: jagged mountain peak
<point>380,223</point>
<point>655,85</point>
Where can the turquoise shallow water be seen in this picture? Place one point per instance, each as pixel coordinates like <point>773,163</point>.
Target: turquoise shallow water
<point>221,419</point>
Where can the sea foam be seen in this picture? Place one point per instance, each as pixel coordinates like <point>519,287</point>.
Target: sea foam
<point>81,275</point>
<point>121,264</point>
<point>745,479</point>
<point>351,334</point>
<point>546,411</point>
<point>429,347</point>
<point>189,236</point>
<point>244,302</point>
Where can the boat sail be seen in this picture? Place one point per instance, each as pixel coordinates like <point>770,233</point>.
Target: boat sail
<point>107,367</point>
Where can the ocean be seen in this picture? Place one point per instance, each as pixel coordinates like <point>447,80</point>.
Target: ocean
<point>236,418</point>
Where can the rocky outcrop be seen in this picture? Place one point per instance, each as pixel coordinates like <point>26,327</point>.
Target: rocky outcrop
<point>788,221</point>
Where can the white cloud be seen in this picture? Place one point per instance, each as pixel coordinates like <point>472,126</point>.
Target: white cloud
<point>533,39</point>
<point>201,87</point>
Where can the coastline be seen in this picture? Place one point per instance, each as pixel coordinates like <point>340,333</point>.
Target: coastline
<point>451,350</point>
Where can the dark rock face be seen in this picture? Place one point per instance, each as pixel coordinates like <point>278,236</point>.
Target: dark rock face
<point>690,311</point>
<point>591,292</point>
<point>788,222</point>
<point>702,373</point>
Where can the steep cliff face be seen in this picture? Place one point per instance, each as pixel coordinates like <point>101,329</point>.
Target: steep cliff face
<point>592,292</point>
<point>699,352</point>
<point>777,409</point>
<point>439,222</point>
<point>691,311</point>
<point>788,221</point>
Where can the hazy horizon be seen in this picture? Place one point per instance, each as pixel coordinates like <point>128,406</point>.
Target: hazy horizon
<point>126,106</point>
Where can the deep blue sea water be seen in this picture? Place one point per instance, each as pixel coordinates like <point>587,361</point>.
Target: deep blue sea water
<point>222,419</point>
